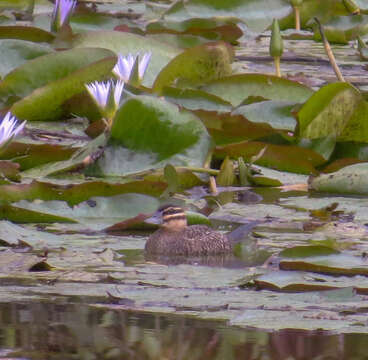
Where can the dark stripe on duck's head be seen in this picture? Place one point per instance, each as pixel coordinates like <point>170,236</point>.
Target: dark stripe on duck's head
<point>174,218</point>
<point>172,210</point>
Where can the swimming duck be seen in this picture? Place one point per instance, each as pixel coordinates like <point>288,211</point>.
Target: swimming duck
<point>175,237</point>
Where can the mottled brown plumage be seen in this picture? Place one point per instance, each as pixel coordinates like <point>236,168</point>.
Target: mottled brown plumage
<point>176,238</point>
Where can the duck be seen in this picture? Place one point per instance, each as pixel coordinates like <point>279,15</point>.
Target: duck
<point>176,238</point>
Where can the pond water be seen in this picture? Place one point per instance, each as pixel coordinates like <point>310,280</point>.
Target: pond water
<point>81,331</point>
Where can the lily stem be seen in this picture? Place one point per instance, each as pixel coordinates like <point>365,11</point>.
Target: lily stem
<point>329,53</point>
<point>277,65</point>
<point>297,18</point>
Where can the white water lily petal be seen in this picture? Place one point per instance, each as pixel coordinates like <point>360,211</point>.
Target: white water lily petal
<point>100,92</point>
<point>9,128</point>
<point>118,91</point>
<point>64,9</point>
<point>143,64</point>
<point>124,66</point>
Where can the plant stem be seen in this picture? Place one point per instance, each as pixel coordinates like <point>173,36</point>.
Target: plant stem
<point>329,53</point>
<point>297,18</point>
<point>277,65</point>
<point>198,169</point>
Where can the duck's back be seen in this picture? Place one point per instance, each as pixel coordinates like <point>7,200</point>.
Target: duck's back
<point>192,240</point>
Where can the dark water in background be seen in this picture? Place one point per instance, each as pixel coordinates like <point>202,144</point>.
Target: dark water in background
<point>77,331</point>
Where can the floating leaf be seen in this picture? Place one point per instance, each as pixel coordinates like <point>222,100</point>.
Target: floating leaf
<point>16,52</point>
<point>28,33</point>
<point>148,133</point>
<point>281,157</point>
<point>336,109</point>
<point>41,71</point>
<point>351,179</point>
<point>257,14</point>
<point>306,251</point>
<point>336,264</point>
<point>229,128</point>
<point>342,29</point>
<point>237,88</point>
<point>193,99</point>
<point>124,43</point>
<point>196,65</point>
<point>74,193</point>
<point>212,28</point>
<point>274,113</point>
<point>96,212</point>
<point>45,103</point>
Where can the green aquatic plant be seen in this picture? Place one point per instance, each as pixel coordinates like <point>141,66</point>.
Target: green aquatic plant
<point>107,96</point>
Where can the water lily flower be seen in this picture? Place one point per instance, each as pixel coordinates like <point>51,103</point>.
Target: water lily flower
<point>63,9</point>
<point>107,96</point>
<point>126,65</point>
<point>9,129</point>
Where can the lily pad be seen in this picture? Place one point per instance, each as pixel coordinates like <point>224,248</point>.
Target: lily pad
<point>149,133</point>
<point>16,52</point>
<point>237,88</point>
<point>196,65</point>
<point>280,157</point>
<point>28,33</point>
<point>337,109</point>
<point>257,14</point>
<point>334,264</point>
<point>348,180</point>
<point>97,212</point>
<point>41,71</point>
<point>46,103</point>
<point>124,43</point>
<point>74,193</point>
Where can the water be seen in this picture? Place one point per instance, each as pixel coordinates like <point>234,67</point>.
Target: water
<point>79,331</point>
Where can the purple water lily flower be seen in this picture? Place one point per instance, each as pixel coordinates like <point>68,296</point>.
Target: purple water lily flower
<point>107,95</point>
<point>124,67</point>
<point>63,9</point>
<point>9,129</point>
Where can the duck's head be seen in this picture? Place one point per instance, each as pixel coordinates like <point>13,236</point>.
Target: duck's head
<point>173,218</point>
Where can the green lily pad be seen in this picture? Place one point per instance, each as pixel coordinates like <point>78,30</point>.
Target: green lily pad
<point>306,251</point>
<point>80,159</point>
<point>124,43</point>
<point>230,128</point>
<point>16,52</point>
<point>337,109</point>
<point>342,29</point>
<point>196,65</point>
<point>19,214</point>
<point>26,33</point>
<point>257,14</point>
<point>301,281</point>
<point>348,180</point>
<point>97,212</point>
<point>237,88</point>
<point>45,69</point>
<point>275,113</point>
<point>193,99</point>
<point>334,264</point>
<point>46,102</point>
<point>280,157</point>
<point>149,133</point>
<point>212,28</point>
<point>74,193</point>
<point>29,155</point>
